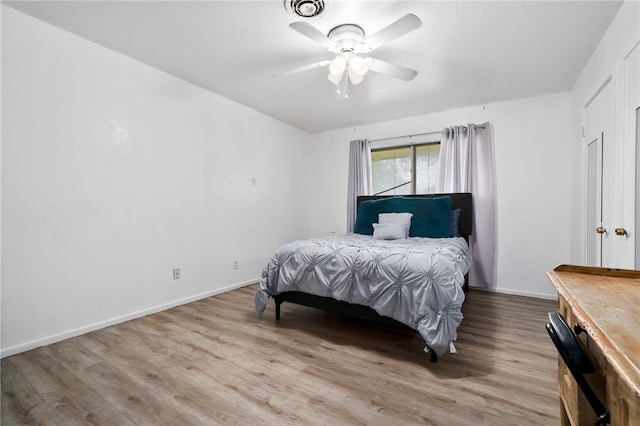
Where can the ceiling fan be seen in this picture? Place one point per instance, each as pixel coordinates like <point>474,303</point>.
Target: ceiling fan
<point>347,42</point>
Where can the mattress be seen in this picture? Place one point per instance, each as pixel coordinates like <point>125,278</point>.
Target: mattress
<point>416,281</point>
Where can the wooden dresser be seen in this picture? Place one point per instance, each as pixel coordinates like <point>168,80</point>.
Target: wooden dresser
<point>606,304</point>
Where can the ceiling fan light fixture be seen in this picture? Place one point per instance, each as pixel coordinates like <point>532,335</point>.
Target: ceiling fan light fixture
<point>335,78</point>
<point>358,65</point>
<point>305,8</point>
<point>338,65</point>
<point>354,77</point>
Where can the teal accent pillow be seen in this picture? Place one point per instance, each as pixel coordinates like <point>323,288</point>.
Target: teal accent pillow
<point>369,210</point>
<point>431,216</point>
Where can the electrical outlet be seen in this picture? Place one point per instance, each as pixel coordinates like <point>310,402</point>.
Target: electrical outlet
<point>235,264</point>
<point>176,273</point>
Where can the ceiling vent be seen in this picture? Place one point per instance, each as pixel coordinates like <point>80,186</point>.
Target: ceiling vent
<point>305,8</point>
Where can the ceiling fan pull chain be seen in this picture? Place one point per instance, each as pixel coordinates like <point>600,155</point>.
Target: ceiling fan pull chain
<point>346,86</point>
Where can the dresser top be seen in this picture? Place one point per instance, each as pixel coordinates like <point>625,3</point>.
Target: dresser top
<point>606,303</point>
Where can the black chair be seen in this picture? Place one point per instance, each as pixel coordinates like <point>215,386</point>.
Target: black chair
<point>577,361</point>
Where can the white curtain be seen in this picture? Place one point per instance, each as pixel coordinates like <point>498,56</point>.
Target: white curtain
<point>467,165</point>
<point>359,177</point>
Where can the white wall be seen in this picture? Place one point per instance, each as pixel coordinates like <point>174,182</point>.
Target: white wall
<point>113,173</point>
<point>532,139</point>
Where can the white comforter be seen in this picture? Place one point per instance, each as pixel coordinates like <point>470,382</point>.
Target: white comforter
<point>417,281</point>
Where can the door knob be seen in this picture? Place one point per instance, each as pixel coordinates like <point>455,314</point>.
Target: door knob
<point>601,230</point>
<point>621,231</point>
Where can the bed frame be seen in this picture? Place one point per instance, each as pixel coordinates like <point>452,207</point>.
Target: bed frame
<point>462,201</point>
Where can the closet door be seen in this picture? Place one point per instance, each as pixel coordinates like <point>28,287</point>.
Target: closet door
<point>598,120</point>
<point>613,161</point>
<point>636,191</point>
<point>594,202</point>
<point>627,240</point>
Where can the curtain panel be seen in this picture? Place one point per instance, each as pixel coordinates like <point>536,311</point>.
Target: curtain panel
<point>359,177</point>
<point>467,165</point>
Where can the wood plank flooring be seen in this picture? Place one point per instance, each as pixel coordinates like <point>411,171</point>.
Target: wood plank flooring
<point>215,362</point>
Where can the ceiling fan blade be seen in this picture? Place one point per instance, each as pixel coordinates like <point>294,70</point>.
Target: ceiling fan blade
<point>392,70</point>
<point>314,34</point>
<point>391,32</point>
<point>302,69</point>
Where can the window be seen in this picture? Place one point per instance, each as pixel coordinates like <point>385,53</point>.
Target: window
<point>408,169</point>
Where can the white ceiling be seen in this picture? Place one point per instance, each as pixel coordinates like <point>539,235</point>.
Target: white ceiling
<point>466,53</point>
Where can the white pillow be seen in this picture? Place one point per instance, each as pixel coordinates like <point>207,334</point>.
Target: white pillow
<point>402,218</point>
<point>388,231</point>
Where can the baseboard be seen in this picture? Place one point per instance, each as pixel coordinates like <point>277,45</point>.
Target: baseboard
<point>24,347</point>
<point>535,295</point>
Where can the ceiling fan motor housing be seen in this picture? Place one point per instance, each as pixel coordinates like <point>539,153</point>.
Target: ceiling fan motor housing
<point>347,36</point>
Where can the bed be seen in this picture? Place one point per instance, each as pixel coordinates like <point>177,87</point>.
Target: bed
<point>417,280</point>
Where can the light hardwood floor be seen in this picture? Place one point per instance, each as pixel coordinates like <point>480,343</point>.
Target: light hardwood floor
<point>215,362</point>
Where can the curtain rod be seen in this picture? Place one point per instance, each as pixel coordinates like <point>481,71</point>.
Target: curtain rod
<point>481,126</point>
<point>404,136</point>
